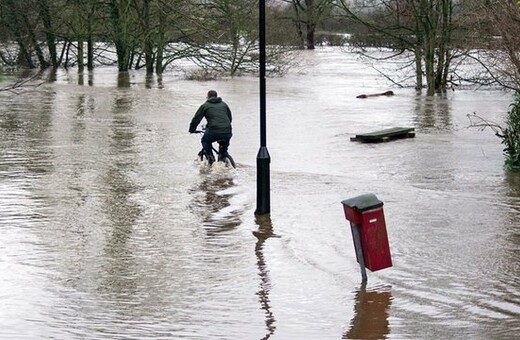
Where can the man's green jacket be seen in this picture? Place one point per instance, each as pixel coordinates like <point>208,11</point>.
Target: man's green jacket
<point>217,114</point>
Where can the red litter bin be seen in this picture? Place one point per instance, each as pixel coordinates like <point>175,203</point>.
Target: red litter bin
<point>367,222</point>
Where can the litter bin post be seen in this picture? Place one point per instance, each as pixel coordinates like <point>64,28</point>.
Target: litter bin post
<point>359,250</point>
<point>367,222</point>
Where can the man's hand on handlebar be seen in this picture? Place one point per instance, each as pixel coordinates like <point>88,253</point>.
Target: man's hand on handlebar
<point>196,131</point>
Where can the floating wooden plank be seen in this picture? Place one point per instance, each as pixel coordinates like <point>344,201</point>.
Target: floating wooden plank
<point>384,135</point>
<point>387,93</point>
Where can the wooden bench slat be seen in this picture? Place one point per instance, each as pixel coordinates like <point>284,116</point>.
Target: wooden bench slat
<point>385,135</point>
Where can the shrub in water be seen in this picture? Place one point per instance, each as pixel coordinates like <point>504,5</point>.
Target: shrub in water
<point>511,135</point>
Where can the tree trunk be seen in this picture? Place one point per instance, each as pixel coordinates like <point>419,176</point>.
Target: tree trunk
<point>24,57</point>
<point>430,71</point>
<point>118,15</point>
<point>90,52</point>
<point>49,32</point>
<point>148,43</point>
<point>427,35</point>
<point>15,22</point>
<point>90,42</point>
<point>160,43</point>
<point>418,68</point>
<point>446,33</point>
<point>81,64</point>
<point>310,22</point>
<point>298,24</point>
<point>65,53</point>
<point>310,37</point>
<point>36,45</point>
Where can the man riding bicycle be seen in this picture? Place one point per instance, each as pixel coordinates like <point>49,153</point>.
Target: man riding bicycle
<point>218,127</point>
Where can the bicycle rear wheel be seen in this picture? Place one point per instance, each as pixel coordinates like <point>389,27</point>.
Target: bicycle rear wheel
<point>229,161</point>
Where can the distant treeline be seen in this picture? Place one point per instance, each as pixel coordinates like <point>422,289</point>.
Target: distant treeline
<point>218,35</point>
<point>221,36</point>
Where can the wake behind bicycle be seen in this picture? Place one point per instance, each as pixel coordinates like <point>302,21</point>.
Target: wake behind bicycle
<point>222,153</point>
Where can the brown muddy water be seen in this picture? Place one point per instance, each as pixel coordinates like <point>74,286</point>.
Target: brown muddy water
<point>111,230</point>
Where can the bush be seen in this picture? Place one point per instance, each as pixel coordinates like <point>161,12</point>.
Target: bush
<point>330,39</point>
<point>201,75</point>
<point>511,135</point>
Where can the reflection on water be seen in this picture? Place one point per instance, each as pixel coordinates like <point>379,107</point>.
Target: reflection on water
<point>513,184</point>
<point>264,232</point>
<point>52,75</point>
<point>121,210</point>
<point>90,78</point>
<point>123,79</point>
<point>153,80</point>
<point>513,232</point>
<point>433,112</point>
<point>372,309</point>
<point>211,199</point>
<point>25,138</point>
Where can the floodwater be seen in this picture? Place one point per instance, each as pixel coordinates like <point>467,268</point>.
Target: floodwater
<point>110,229</point>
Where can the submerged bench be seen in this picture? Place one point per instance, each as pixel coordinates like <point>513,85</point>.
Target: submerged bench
<point>385,135</point>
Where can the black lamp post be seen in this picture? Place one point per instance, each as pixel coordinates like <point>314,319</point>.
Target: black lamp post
<point>263,201</point>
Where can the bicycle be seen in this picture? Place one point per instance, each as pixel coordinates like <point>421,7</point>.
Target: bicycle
<point>222,155</point>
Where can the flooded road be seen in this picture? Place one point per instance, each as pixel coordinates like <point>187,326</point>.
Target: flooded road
<point>112,230</point>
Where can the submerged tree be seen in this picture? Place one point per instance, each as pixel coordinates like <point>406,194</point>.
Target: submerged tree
<point>229,35</point>
<point>122,20</point>
<point>306,15</point>
<point>221,36</point>
<point>423,27</point>
<point>82,23</point>
<point>495,26</point>
<point>15,19</point>
<point>501,20</point>
<point>44,11</point>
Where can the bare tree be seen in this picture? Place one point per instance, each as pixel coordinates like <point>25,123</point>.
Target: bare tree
<point>14,17</point>
<point>231,28</point>
<point>306,16</point>
<point>122,20</point>
<point>156,22</point>
<point>219,35</point>
<point>495,25</point>
<point>423,27</point>
<point>498,24</point>
<point>47,20</point>
<point>80,18</point>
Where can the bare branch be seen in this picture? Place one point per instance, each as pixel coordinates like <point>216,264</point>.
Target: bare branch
<point>482,123</point>
<point>22,83</point>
